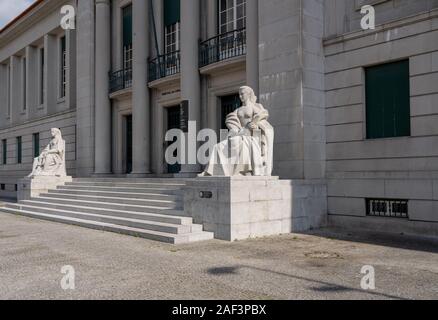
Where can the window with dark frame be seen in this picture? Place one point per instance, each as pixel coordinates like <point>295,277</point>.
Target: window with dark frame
<point>4,151</point>
<point>232,15</point>
<point>41,77</point>
<point>127,37</point>
<point>387,90</point>
<point>36,144</point>
<point>63,67</point>
<point>19,150</point>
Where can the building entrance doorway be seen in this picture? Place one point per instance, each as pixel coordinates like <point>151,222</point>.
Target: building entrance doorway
<point>128,143</point>
<point>229,104</point>
<point>173,122</point>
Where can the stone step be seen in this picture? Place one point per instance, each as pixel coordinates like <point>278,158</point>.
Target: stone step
<point>108,205</point>
<point>156,217</point>
<point>118,200</point>
<point>127,222</point>
<point>161,186</point>
<point>147,234</point>
<point>118,194</point>
<point>162,191</point>
<point>173,181</point>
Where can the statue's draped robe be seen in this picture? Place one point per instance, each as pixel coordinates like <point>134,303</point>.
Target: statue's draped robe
<point>51,162</point>
<point>245,151</point>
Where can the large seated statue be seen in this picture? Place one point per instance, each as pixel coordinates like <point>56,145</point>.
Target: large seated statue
<point>51,162</point>
<point>248,149</point>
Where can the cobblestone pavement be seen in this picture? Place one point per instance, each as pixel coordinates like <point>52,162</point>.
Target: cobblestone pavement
<point>323,265</point>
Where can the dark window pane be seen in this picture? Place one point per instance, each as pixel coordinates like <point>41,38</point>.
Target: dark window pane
<point>388,100</point>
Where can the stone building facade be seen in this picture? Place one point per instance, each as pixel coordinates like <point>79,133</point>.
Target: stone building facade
<point>119,81</point>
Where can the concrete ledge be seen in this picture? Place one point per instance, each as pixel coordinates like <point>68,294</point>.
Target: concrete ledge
<point>32,187</point>
<point>237,208</point>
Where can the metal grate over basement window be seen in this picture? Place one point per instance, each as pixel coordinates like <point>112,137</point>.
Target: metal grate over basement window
<point>387,208</point>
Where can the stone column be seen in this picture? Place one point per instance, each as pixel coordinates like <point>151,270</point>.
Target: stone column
<point>140,93</point>
<point>15,88</point>
<point>31,79</point>
<point>85,88</point>
<point>70,37</point>
<point>50,73</point>
<point>212,18</point>
<point>190,77</point>
<point>252,44</point>
<point>159,22</point>
<point>102,164</point>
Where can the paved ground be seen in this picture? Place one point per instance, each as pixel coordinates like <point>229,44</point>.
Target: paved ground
<point>324,265</point>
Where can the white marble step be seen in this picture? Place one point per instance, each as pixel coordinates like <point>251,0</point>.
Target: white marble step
<point>162,191</point>
<point>154,185</point>
<point>173,181</point>
<point>127,222</point>
<point>147,234</point>
<point>109,205</point>
<point>40,206</point>
<point>118,200</point>
<point>118,194</point>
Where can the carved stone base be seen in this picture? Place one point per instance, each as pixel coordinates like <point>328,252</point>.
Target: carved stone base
<point>237,208</point>
<point>34,186</point>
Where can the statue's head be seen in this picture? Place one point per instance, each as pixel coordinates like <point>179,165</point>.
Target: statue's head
<point>55,132</point>
<point>247,94</point>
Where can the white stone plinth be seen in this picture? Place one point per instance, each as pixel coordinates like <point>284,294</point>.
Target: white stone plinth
<point>34,186</point>
<point>237,208</point>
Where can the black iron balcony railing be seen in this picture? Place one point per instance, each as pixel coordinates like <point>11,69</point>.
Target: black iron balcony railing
<point>164,65</point>
<point>224,46</point>
<point>120,80</point>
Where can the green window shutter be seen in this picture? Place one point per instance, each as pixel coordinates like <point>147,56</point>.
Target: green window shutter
<point>172,10</point>
<point>19,147</point>
<point>127,25</point>
<point>388,100</point>
<point>5,151</point>
<point>36,145</point>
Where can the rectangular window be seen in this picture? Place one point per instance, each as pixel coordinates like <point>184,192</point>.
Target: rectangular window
<point>388,100</point>
<point>19,150</point>
<point>24,84</point>
<point>5,151</point>
<point>3,186</point>
<point>127,37</point>
<point>63,67</point>
<point>232,15</point>
<point>229,104</point>
<point>172,37</point>
<point>41,77</point>
<point>36,144</point>
<point>390,208</point>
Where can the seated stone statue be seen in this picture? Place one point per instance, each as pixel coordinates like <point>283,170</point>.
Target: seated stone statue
<point>51,162</point>
<point>248,149</point>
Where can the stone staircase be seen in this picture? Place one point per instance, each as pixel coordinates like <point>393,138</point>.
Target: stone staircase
<point>147,208</point>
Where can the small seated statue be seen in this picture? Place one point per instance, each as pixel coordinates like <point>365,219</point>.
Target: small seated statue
<point>51,162</point>
<point>248,149</point>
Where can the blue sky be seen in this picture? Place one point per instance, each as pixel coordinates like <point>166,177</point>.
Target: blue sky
<point>9,9</point>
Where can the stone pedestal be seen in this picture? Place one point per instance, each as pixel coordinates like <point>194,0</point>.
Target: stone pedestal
<point>237,208</point>
<point>33,187</point>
